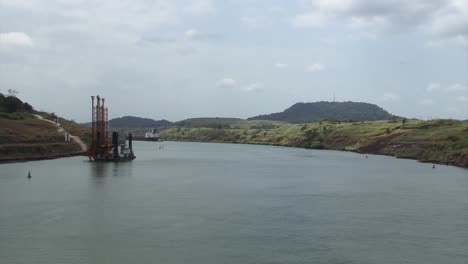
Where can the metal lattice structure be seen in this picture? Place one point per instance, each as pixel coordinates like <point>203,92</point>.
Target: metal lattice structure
<point>101,149</point>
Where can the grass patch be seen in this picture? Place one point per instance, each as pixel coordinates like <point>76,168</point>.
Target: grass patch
<point>444,141</point>
<point>15,115</point>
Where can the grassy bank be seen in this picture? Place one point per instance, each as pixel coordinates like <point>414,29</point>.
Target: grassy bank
<point>439,141</point>
<point>28,138</point>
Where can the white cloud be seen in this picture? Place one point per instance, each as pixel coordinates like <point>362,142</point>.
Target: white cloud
<point>362,36</point>
<point>366,22</point>
<point>253,87</point>
<point>462,98</point>
<point>427,102</point>
<point>459,40</point>
<point>453,109</point>
<point>451,20</point>
<point>255,22</point>
<point>281,65</point>
<point>123,19</point>
<point>20,3</point>
<point>335,5</point>
<point>316,67</point>
<point>435,43</point>
<point>431,87</point>
<point>443,19</point>
<point>457,88</point>
<point>16,39</point>
<point>191,33</point>
<point>229,83</point>
<point>226,83</point>
<point>313,19</point>
<point>389,96</point>
<point>78,34</point>
<point>200,7</point>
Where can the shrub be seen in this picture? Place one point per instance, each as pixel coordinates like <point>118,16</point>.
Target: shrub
<point>11,104</point>
<point>453,138</point>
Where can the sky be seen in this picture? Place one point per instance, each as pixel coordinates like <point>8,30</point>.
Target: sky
<point>176,59</point>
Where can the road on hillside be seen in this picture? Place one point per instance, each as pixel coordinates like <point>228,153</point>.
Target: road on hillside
<point>60,129</point>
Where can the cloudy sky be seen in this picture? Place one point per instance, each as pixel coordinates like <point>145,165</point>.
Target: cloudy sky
<point>176,59</point>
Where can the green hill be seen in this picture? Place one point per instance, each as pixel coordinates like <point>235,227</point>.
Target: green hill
<point>440,141</point>
<point>319,111</point>
<point>13,108</point>
<point>214,122</point>
<point>137,122</point>
<point>25,137</point>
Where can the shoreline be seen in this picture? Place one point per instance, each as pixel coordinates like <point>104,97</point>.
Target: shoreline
<point>38,138</point>
<point>75,154</point>
<point>38,158</point>
<point>435,141</point>
<point>341,150</point>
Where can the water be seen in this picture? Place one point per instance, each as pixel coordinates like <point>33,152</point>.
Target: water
<point>221,203</point>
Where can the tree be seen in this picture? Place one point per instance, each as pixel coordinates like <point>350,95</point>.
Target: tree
<point>12,92</point>
<point>27,107</point>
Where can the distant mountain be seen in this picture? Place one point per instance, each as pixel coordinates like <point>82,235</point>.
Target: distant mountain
<point>208,122</point>
<point>340,111</point>
<point>136,122</point>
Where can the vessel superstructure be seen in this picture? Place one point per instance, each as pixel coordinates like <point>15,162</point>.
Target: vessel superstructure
<point>101,149</point>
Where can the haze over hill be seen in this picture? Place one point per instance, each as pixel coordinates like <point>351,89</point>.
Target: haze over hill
<point>140,122</point>
<point>208,121</point>
<point>298,113</point>
<point>340,111</point>
<point>133,121</point>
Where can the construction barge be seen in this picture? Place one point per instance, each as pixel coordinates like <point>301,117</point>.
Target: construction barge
<point>101,149</point>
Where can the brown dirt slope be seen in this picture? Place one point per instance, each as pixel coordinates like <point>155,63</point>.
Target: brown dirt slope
<point>31,139</point>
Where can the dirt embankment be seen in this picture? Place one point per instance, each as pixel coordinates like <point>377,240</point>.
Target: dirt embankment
<point>34,139</point>
<point>38,151</point>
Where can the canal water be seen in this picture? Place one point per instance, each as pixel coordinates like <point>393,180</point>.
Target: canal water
<point>222,203</point>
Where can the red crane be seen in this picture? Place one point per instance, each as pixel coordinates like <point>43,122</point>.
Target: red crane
<point>100,149</point>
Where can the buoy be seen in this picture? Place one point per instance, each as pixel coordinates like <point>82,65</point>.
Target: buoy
<point>29,175</point>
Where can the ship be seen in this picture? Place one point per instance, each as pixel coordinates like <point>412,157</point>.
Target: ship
<point>151,135</point>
